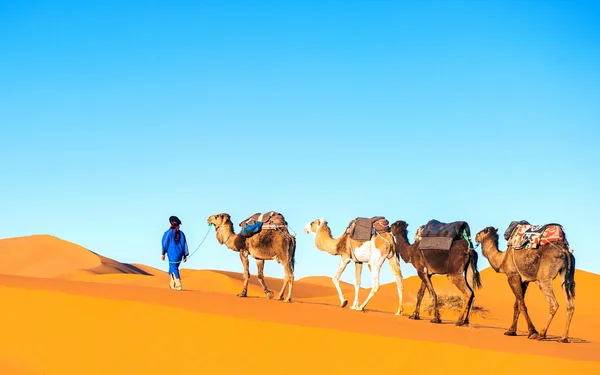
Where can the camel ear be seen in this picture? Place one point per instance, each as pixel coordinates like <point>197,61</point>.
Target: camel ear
<point>496,229</point>
<point>486,230</point>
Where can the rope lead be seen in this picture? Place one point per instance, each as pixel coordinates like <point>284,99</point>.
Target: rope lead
<point>201,242</point>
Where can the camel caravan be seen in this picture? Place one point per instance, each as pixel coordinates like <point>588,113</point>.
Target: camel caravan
<point>534,254</point>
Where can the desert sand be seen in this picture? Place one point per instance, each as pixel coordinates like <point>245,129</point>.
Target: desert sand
<point>67,310</point>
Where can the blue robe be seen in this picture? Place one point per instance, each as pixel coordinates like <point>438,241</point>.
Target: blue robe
<point>174,251</point>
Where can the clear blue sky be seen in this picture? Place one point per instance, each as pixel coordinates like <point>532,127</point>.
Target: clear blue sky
<point>117,114</point>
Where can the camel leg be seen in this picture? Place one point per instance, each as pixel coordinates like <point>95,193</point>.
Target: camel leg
<point>375,269</point>
<point>357,277</point>
<point>417,313</point>
<point>336,280</point>
<point>546,288</point>
<point>429,284</point>
<point>282,291</point>
<point>512,331</point>
<point>468,296</point>
<point>395,268</point>
<point>246,265</point>
<point>570,310</point>
<point>516,285</point>
<point>290,282</point>
<point>260,265</point>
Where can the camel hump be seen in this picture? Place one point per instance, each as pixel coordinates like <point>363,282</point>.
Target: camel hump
<point>526,236</point>
<point>440,236</point>
<point>362,228</point>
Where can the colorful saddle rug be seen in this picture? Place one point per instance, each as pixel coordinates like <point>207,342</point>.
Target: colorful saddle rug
<point>436,235</point>
<point>363,228</point>
<point>522,235</point>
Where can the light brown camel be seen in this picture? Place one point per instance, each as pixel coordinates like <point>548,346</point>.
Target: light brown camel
<point>540,265</point>
<point>374,252</point>
<point>459,264</point>
<point>268,244</point>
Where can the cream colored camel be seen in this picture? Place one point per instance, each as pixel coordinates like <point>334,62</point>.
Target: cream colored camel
<point>374,252</point>
<point>268,244</point>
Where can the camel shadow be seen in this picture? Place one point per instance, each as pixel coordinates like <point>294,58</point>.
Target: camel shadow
<point>553,338</point>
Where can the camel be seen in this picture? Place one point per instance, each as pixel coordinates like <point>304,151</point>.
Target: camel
<point>459,264</point>
<point>540,265</point>
<point>268,244</point>
<point>374,252</point>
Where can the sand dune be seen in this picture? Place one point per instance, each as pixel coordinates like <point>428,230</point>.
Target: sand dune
<point>48,256</point>
<point>96,309</point>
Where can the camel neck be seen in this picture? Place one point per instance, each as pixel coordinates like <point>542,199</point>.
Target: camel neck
<point>405,248</point>
<point>495,257</point>
<point>324,241</point>
<point>225,234</point>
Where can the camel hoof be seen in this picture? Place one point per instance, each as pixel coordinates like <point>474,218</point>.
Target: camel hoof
<point>344,303</point>
<point>461,323</point>
<point>241,295</point>
<point>564,340</point>
<point>510,333</point>
<point>533,336</point>
<point>398,313</point>
<point>270,295</point>
<point>414,317</point>
<point>287,300</point>
<point>435,321</point>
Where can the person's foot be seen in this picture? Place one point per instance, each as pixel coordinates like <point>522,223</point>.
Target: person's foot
<point>177,284</point>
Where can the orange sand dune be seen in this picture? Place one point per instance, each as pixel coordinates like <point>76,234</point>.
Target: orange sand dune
<point>96,328</point>
<point>48,256</point>
<point>97,308</point>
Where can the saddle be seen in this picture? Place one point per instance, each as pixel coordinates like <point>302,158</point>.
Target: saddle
<point>259,221</point>
<point>523,235</point>
<point>363,228</point>
<point>436,235</point>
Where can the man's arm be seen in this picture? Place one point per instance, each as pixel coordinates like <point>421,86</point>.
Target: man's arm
<point>165,241</point>
<point>186,252</point>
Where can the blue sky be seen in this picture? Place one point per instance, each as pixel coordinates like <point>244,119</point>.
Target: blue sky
<point>116,115</point>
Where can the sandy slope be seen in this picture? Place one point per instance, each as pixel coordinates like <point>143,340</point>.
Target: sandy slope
<point>73,311</point>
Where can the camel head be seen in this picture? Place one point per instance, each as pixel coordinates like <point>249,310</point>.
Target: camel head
<point>488,232</point>
<point>219,219</point>
<point>400,227</point>
<point>314,225</point>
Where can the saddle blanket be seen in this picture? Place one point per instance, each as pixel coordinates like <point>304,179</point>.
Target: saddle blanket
<point>436,235</point>
<point>523,235</point>
<point>363,228</point>
<point>269,220</point>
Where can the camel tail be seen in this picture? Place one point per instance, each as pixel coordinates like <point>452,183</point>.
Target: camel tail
<point>472,271</point>
<point>569,279</point>
<point>292,258</point>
